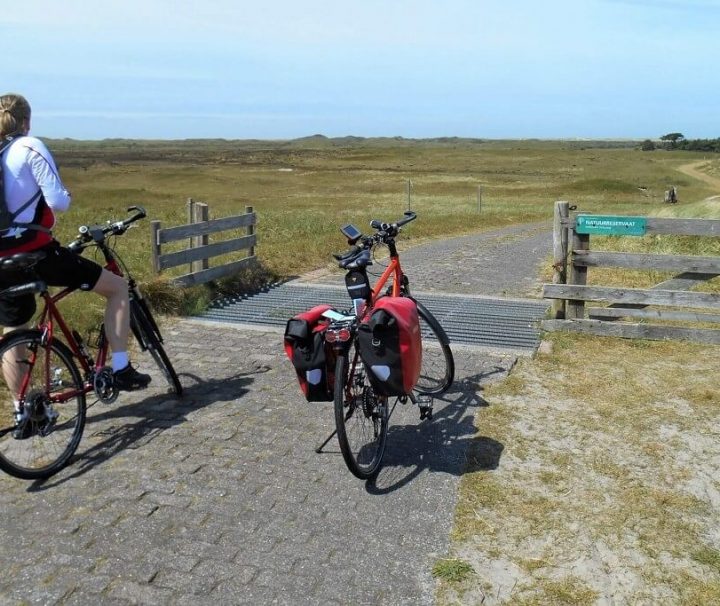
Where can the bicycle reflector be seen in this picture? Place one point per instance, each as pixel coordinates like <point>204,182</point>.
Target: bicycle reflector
<point>341,334</point>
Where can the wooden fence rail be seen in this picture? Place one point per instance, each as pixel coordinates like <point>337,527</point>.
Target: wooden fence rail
<point>573,257</point>
<point>200,251</point>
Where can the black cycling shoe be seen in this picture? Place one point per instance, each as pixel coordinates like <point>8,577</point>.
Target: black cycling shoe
<point>23,430</point>
<point>129,379</point>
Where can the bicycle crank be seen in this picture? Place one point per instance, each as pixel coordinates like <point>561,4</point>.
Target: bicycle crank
<point>104,385</point>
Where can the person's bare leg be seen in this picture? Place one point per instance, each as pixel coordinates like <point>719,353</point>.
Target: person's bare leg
<point>12,371</point>
<point>117,329</point>
<point>117,311</point>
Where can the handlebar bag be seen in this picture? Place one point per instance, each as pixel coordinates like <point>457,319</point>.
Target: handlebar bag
<point>312,358</point>
<point>358,284</point>
<point>390,346</point>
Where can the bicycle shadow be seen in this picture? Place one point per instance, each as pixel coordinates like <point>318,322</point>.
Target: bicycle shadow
<point>150,418</point>
<point>448,443</point>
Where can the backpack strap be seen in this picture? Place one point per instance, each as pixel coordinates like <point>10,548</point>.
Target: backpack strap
<point>27,204</point>
<point>5,144</point>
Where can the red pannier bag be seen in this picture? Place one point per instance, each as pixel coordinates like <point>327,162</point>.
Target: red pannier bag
<point>390,346</point>
<point>312,357</point>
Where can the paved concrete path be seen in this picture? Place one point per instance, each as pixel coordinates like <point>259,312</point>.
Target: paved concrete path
<point>220,498</point>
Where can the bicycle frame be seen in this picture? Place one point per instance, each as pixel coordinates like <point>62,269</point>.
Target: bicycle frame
<point>393,269</point>
<point>49,319</point>
<point>52,316</point>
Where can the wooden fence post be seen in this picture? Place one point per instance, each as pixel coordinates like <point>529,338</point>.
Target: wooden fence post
<point>578,273</point>
<point>250,231</point>
<point>200,215</point>
<point>155,245</point>
<point>560,243</point>
<point>479,197</point>
<point>190,220</point>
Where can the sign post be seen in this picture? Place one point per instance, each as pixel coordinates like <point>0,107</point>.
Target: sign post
<point>608,225</point>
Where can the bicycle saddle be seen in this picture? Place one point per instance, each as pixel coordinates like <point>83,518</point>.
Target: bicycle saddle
<point>22,260</point>
<point>29,288</point>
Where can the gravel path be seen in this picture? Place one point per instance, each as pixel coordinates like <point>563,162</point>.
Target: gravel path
<point>221,499</point>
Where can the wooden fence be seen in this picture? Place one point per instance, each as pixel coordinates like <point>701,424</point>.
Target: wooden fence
<point>199,250</point>
<point>570,292</point>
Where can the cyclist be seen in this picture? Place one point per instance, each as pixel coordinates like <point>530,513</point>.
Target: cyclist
<point>31,177</point>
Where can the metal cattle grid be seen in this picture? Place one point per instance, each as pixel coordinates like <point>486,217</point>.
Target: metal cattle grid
<point>499,324</point>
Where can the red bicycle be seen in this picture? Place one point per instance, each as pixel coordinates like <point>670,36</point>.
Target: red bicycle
<point>54,376</point>
<point>362,411</point>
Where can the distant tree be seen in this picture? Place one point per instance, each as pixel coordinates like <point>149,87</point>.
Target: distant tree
<point>647,145</point>
<point>673,138</point>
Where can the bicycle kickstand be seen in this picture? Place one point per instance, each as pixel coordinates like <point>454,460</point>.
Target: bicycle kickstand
<point>330,437</point>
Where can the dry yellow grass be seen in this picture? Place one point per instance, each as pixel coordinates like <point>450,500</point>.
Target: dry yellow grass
<point>607,486</point>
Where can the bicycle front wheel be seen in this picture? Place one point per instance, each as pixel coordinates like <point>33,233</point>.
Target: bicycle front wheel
<point>53,406</point>
<point>148,336</point>
<point>361,417</point>
<point>438,365</point>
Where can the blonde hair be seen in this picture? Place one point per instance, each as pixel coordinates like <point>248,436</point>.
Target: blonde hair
<point>14,114</point>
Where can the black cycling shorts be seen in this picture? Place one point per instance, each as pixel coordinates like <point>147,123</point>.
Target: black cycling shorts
<point>60,267</point>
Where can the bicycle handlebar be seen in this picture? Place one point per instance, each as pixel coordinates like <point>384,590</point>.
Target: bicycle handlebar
<point>393,227</point>
<point>97,233</point>
<point>385,233</point>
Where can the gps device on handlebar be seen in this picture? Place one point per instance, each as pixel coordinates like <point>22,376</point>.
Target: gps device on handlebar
<point>351,232</point>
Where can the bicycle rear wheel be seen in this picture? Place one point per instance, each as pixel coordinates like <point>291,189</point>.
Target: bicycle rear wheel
<point>361,417</point>
<point>53,401</point>
<point>148,337</point>
<point>438,365</point>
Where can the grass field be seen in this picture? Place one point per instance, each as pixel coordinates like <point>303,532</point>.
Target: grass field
<point>303,192</point>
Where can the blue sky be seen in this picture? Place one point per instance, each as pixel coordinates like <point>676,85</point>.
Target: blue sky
<point>422,68</point>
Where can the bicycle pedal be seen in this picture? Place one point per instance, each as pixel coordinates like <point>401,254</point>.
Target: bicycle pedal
<point>425,403</point>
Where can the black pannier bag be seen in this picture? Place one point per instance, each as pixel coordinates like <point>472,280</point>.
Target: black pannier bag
<point>390,346</point>
<point>312,357</point>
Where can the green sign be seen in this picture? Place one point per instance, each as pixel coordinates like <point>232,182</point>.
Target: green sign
<point>606,225</point>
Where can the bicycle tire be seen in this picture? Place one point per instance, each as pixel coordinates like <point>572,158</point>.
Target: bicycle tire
<point>361,417</point>
<point>148,337</point>
<point>438,364</point>
<point>50,442</point>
